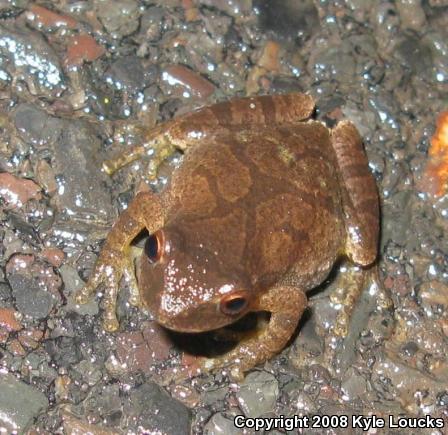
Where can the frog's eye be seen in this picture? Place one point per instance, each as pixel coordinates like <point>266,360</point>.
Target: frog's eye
<point>233,304</point>
<point>154,246</point>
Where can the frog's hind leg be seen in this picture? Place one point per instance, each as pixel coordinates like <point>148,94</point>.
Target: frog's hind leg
<point>360,297</point>
<point>359,197</point>
<point>190,129</point>
<point>286,305</point>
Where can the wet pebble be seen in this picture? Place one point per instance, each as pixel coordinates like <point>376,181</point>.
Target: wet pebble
<point>73,283</point>
<point>35,126</point>
<point>9,320</point>
<point>399,380</point>
<point>386,22</point>
<point>15,191</point>
<point>330,62</point>
<point>129,74</point>
<point>220,425</point>
<point>39,17</point>
<point>235,8</point>
<point>411,13</point>
<point>149,409</point>
<point>353,384</point>
<point>5,294</point>
<point>288,19</point>
<point>83,48</point>
<point>140,350</point>
<point>31,55</point>
<point>415,54</point>
<point>89,371</point>
<point>30,299</point>
<point>73,425</point>
<point>433,293</point>
<point>19,404</point>
<point>189,82</point>
<point>120,18</point>
<point>439,48</point>
<point>82,187</point>
<point>258,394</point>
<point>63,351</point>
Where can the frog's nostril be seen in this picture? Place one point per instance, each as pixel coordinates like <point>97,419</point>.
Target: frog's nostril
<point>154,246</point>
<point>233,304</point>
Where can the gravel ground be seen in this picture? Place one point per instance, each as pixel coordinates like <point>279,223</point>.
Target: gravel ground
<point>78,80</point>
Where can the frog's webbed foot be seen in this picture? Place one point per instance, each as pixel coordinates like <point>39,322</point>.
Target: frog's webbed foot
<point>131,281</point>
<point>351,283</point>
<point>115,262</point>
<point>286,305</point>
<point>108,271</point>
<point>360,299</point>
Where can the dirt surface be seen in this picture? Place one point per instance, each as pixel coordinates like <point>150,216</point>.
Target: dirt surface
<point>78,80</point>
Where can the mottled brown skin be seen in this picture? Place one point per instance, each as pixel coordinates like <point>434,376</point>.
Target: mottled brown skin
<point>263,204</point>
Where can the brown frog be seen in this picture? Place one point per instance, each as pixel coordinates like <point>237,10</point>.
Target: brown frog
<point>264,203</point>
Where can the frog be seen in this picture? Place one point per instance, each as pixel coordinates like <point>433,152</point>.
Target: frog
<point>264,204</point>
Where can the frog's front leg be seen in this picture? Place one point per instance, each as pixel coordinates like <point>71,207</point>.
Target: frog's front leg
<point>286,305</point>
<point>145,210</point>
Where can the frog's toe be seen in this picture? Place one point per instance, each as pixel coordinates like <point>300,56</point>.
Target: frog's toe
<point>110,324</point>
<point>82,297</point>
<point>134,300</point>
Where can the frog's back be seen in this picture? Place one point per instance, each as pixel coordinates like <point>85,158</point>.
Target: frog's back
<point>281,187</point>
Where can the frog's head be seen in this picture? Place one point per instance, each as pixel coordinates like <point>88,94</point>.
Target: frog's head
<point>190,281</point>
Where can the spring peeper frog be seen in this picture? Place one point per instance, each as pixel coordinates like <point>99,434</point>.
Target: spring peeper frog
<point>265,201</point>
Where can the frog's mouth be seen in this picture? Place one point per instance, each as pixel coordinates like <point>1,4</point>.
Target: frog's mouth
<point>206,317</point>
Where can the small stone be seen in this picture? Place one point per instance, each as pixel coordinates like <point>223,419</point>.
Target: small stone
<point>288,20</point>
<point>188,80</point>
<point>16,348</point>
<point>5,292</point>
<point>158,340</point>
<point>84,194</point>
<point>269,59</point>
<point>35,126</point>
<point>353,385</point>
<point>433,293</point>
<point>187,395</point>
<point>15,191</point>
<point>120,18</point>
<point>4,335</point>
<point>30,339</point>
<point>140,350</point>
<point>129,74</point>
<point>90,372</point>
<point>32,56</point>
<point>45,176</point>
<point>43,17</point>
<point>83,48</point>
<point>54,256</point>
<point>9,320</point>
<point>19,404</point>
<point>151,410</point>
<point>133,351</point>
<point>19,262</point>
<point>73,425</point>
<point>258,394</point>
<point>412,14</point>
<point>30,299</point>
<point>219,425</point>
